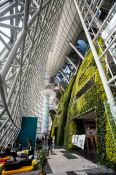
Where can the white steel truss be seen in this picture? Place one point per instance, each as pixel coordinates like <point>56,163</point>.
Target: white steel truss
<point>88,13</point>
<point>26,31</point>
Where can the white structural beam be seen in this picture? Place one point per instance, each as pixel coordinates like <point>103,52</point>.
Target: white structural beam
<point>71,63</point>
<point>64,76</point>
<point>106,86</point>
<point>76,50</point>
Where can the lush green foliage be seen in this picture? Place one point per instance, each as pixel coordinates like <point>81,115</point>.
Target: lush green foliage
<point>69,132</point>
<point>61,116</point>
<point>42,158</point>
<point>110,138</point>
<point>92,99</point>
<point>106,136</point>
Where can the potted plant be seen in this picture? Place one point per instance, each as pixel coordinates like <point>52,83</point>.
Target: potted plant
<point>42,158</point>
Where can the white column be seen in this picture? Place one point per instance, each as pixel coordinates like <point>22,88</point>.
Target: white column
<point>45,123</point>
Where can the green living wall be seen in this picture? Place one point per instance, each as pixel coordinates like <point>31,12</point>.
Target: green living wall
<point>94,98</point>
<point>61,115</point>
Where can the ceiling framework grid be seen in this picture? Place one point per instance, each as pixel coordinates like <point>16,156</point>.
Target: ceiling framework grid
<point>68,30</point>
<point>44,39</point>
<point>26,31</point>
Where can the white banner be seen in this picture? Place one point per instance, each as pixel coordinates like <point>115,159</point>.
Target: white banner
<point>81,141</point>
<point>78,140</point>
<point>73,139</point>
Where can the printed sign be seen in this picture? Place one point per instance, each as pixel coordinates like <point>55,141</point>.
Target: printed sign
<point>78,140</point>
<point>73,139</point>
<point>81,141</point>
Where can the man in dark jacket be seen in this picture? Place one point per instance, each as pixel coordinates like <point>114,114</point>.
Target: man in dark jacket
<point>8,152</point>
<point>50,144</point>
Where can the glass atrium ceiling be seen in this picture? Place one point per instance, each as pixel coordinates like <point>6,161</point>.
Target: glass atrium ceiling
<point>68,30</point>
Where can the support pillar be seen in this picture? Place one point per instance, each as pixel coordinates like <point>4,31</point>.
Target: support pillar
<point>45,124</point>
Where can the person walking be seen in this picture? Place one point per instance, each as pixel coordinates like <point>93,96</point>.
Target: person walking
<point>50,144</point>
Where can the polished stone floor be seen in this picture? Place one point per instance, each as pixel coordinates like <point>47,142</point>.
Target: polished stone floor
<point>61,162</point>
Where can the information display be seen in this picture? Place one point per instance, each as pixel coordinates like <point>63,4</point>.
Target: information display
<point>78,140</point>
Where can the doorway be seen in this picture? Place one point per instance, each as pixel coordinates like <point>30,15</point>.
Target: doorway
<point>88,127</point>
<point>90,130</point>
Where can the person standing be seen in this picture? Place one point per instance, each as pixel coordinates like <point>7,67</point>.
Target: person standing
<point>50,144</point>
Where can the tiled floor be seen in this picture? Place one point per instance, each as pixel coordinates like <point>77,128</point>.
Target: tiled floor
<point>58,164</point>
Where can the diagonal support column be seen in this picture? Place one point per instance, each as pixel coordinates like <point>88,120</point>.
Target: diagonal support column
<point>64,76</point>
<point>71,63</point>
<point>107,89</point>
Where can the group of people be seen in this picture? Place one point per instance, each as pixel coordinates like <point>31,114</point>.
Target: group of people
<point>9,151</point>
<point>17,147</point>
<point>44,142</point>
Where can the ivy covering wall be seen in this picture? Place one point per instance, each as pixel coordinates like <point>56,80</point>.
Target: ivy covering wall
<point>93,98</point>
<point>61,115</point>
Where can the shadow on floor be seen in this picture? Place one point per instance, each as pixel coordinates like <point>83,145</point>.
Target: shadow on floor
<point>71,173</point>
<point>91,155</point>
<point>69,156</point>
<point>48,169</point>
